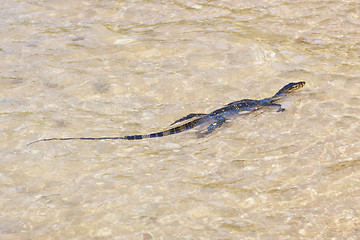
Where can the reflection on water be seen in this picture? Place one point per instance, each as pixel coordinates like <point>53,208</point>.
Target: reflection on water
<point>114,68</point>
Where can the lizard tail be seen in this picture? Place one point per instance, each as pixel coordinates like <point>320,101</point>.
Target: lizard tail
<point>74,138</point>
<point>170,131</point>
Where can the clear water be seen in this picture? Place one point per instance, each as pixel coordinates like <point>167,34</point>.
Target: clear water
<point>114,68</point>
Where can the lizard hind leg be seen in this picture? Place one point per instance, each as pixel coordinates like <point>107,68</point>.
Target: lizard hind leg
<point>191,115</point>
<point>211,128</point>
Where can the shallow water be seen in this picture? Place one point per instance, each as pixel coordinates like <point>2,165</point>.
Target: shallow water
<point>114,68</point>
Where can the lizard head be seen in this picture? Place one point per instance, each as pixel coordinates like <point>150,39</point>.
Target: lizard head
<point>291,87</point>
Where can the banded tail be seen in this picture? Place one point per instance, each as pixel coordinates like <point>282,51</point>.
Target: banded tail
<point>170,131</point>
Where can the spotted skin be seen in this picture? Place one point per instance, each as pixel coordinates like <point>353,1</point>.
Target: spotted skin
<point>217,117</point>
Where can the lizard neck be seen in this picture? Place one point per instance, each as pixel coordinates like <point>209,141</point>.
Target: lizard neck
<point>269,100</point>
<point>276,97</point>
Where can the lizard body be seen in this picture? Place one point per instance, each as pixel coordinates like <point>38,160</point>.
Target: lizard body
<point>217,117</point>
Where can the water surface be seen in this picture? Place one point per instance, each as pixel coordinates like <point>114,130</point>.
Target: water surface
<point>114,68</point>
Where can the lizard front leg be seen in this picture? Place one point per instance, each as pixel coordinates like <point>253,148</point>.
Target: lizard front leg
<point>277,105</point>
